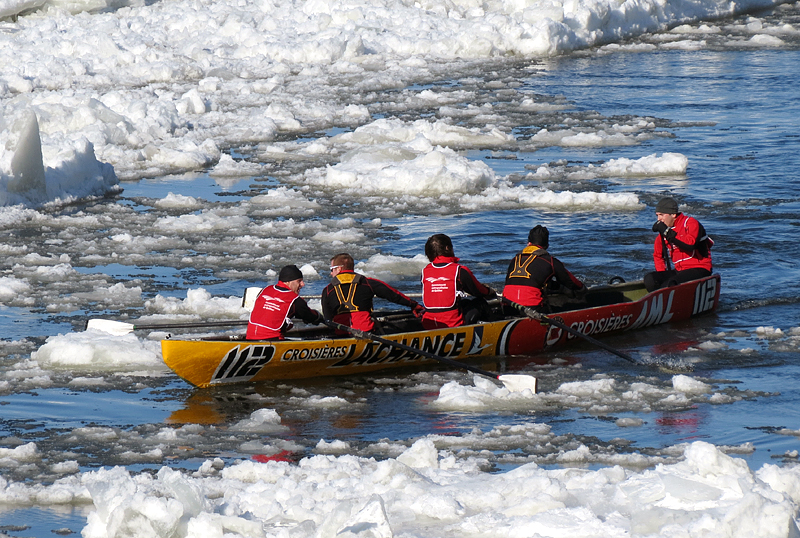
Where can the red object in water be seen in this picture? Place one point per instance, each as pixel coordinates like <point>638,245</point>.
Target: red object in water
<point>283,455</point>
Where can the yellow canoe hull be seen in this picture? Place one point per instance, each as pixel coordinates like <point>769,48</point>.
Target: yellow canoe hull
<point>204,362</point>
<point>209,362</point>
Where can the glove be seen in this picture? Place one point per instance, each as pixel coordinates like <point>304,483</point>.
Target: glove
<point>492,293</point>
<point>418,310</point>
<point>670,235</point>
<point>660,227</point>
<point>319,319</point>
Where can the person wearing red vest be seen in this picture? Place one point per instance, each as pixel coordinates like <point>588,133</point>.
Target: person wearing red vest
<point>348,298</point>
<point>446,285</point>
<point>276,304</point>
<point>682,249</point>
<point>534,269</point>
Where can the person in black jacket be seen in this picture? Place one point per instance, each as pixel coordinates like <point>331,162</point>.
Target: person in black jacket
<point>348,298</point>
<point>532,270</point>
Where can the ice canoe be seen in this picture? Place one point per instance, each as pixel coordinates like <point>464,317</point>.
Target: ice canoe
<point>603,310</point>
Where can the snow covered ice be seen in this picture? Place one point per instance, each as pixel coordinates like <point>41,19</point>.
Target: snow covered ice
<point>425,490</point>
<point>165,88</point>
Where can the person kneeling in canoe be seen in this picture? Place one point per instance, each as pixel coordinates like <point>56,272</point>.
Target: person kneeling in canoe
<point>530,272</point>
<point>682,250</point>
<point>277,304</point>
<point>446,285</point>
<point>348,298</point>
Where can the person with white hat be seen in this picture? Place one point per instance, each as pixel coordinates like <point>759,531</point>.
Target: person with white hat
<point>682,249</point>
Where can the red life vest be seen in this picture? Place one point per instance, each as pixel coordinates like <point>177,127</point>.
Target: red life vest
<point>439,287</point>
<point>348,313</point>
<point>440,296</point>
<point>270,315</point>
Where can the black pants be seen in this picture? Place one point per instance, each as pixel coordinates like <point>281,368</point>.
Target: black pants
<point>475,309</point>
<point>666,279</point>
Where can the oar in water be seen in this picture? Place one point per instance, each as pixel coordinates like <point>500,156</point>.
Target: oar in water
<point>120,328</point>
<point>541,318</point>
<point>513,382</point>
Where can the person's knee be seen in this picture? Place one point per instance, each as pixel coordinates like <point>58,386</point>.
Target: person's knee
<point>472,316</point>
<point>650,282</point>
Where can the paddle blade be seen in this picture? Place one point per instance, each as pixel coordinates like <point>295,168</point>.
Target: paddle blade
<point>117,328</point>
<point>250,296</point>
<point>518,382</point>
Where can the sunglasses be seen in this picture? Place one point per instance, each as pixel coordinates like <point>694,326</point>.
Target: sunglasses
<point>333,267</point>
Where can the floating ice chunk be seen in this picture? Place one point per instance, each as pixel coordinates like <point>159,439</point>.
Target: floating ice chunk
<point>11,287</point>
<point>587,388</point>
<point>227,167</point>
<point>764,40</point>
<point>178,201</point>
<point>27,168</point>
<point>122,504</point>
<point>406,169</point>
<point>211,525</point>
<point>262,421</point>
<point>769,332</point>
<point>323,402</point>
<point>199,303</point>
<point>506,195</point>
<point>422,454</point>
<point>369,522</point>
<point>628,422</point>
<point>484,394</point>
<point>35,175</point>
<point>388,267</point>
<point>22,454</point>
<point>15,7</point>
<point>333,446</point>
<point>684,383</point>
<point>652,165</point>
<point>98,351</point>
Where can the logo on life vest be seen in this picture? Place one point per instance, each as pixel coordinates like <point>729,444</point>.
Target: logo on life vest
<point>273,304</point>
<point>438,284</point>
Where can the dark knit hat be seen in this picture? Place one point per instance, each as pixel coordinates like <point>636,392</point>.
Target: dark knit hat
<point>539,235</point>
<point>289,273</point>
<point>668,206</point>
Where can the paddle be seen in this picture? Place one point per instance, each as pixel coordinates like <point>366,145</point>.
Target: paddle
<point>120,328</point>
<point>251,293</point>
<point>541,318</point>
<point>513,382</point>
